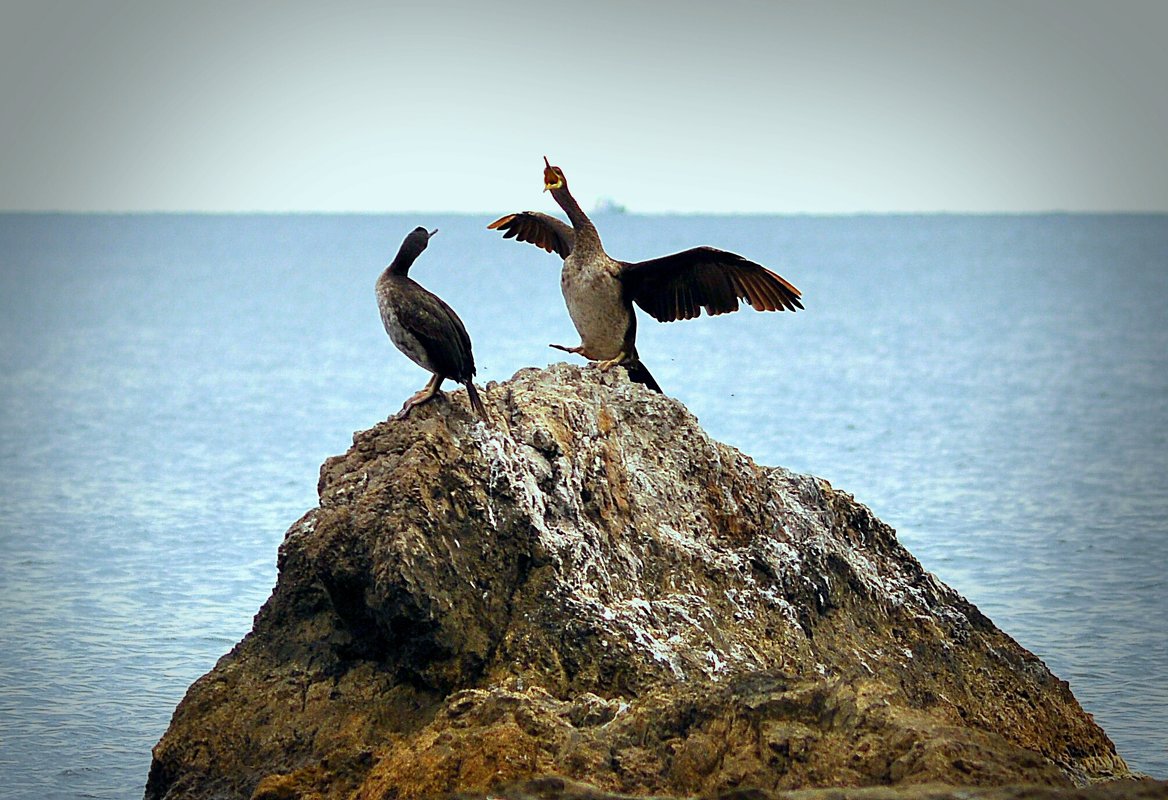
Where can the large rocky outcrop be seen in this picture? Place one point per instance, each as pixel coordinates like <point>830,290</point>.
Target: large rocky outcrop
<point>590,596</point>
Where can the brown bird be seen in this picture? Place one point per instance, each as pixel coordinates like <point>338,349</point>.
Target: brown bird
<point>600,291</point>
<point>424,327</point>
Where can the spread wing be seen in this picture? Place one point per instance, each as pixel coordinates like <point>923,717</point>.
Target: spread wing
<point>679,286</point>
<point>542,230</point>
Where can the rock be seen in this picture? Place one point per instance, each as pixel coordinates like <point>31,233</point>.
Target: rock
<point>591,594</point>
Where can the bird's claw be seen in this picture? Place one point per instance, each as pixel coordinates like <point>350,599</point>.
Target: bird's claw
<point>417,399</point>
<point>408,406</point>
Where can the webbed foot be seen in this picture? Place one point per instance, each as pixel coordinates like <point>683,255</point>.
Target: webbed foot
<point>424,396</point>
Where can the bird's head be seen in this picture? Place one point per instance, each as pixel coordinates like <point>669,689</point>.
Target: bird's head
<point>415,242</point>
<point>417,239</point>
<point>553,177</point>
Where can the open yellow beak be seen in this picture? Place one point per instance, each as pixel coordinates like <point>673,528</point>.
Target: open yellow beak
<point>550,179</point>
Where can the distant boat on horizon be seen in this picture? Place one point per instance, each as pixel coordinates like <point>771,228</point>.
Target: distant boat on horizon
<point>606,205</point>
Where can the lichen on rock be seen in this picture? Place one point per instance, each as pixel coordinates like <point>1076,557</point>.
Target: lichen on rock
<point>590,590</point>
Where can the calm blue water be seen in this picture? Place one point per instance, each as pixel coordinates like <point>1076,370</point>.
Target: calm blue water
<point>996,388</point>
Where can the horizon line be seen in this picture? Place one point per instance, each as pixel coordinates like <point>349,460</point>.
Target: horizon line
<point>596,212</point>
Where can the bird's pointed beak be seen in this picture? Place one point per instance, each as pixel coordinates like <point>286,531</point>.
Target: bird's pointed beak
<point>433,231</point>
<point>550,179</point>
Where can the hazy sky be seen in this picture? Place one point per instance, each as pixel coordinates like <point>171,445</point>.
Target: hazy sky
<point>717,106</point>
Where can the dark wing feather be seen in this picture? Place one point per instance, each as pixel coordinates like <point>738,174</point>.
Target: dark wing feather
<point>679,286</point>
<point>441,333</point>
<point>542,230</point>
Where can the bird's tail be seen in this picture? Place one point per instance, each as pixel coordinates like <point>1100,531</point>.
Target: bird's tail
<point>638,374</point>
<point>475,402</point>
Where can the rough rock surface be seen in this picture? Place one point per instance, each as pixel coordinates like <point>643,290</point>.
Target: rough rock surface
<point>591,594</point>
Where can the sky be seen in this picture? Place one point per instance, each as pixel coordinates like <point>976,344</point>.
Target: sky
<point>723,107</point>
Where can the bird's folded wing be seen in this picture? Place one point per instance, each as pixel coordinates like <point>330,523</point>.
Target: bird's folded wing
<point>435,325</point>
<point>679,286</point>
<point>542,230</point>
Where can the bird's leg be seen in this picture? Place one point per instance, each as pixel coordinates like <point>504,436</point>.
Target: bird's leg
<point>609,363</point>
<point>578,350</point>
<point>425,395</point>
<point>604,365</point>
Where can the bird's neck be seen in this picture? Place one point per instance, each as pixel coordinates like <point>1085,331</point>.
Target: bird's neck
<point>401,262</point>
<point>389,276</point>
<point>585,238</point>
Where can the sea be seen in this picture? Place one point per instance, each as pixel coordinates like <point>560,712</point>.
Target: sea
<point>993,387</point>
